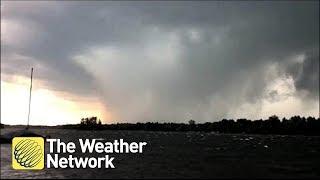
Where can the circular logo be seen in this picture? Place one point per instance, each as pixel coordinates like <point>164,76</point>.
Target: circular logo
<point>28,153</point>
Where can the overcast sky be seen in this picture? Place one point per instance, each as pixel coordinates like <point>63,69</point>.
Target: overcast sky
<point>169,61</point>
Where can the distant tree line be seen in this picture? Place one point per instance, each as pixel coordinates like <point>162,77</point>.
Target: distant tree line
<point>90,123</point>
<point>272,125</point>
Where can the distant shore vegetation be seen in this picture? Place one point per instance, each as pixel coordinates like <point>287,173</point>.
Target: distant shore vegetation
<point>296,125</point>
<point>272,125</point>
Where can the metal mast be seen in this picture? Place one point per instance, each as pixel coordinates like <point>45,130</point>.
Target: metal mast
<point>30,98</point>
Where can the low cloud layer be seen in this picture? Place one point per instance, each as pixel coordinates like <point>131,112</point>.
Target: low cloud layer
<point>170,61</point>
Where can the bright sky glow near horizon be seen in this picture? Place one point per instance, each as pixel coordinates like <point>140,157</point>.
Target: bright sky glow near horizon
<point>47,108</point>
<point>159,61</point>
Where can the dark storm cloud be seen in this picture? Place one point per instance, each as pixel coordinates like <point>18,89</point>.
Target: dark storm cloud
<point>309,77</point>
<point>223,51</point>
<point>306,73</point>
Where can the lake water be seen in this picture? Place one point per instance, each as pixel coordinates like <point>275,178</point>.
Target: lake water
<point>187,155</point>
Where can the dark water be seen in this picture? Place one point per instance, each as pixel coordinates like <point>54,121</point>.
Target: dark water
<point>189,154</point>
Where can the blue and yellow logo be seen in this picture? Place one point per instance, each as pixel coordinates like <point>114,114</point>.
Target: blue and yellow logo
<point>28,153</point>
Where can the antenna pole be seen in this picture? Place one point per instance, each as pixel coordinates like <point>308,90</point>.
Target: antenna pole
<point>30,99</point>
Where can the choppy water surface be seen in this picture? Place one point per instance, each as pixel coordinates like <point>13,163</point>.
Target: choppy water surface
<point>188,154</point>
